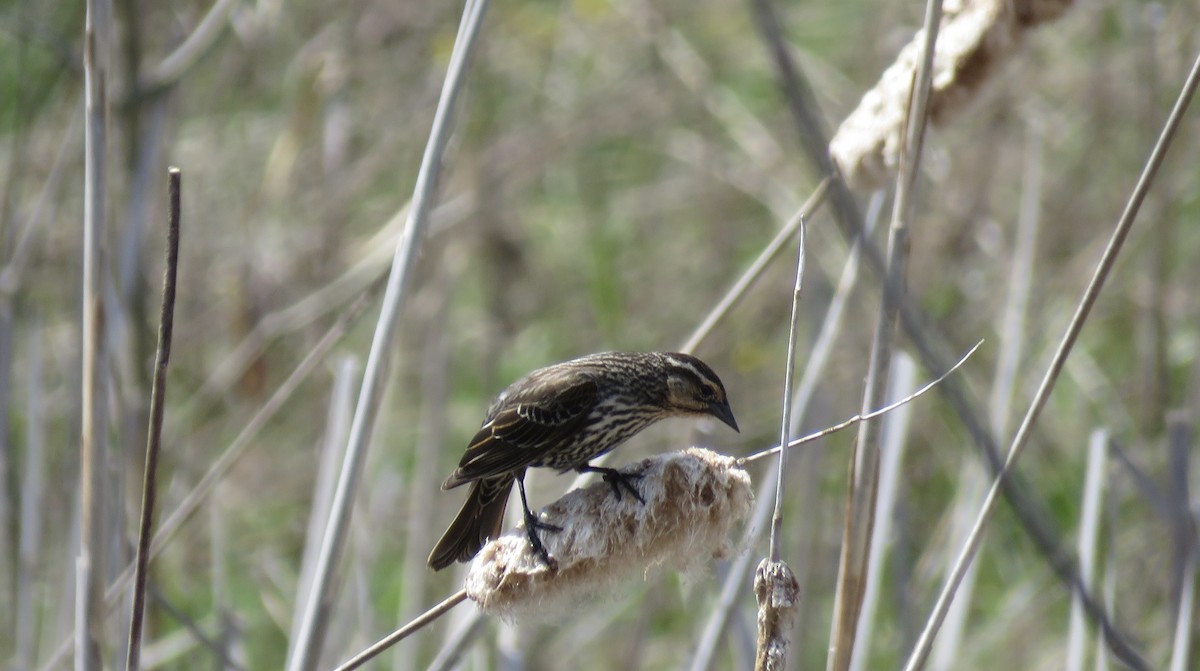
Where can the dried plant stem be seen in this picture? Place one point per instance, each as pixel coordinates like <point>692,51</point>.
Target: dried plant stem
<point>797,442</point>
<point>158,395</point>
<point>308,644</point>
<point>979,36</point>
<point>775,586</point>
<point>819,357</point>
<point>785,431</point>
<point>864,471</point>
<point>1089,532</point>
<point>89,612</point>
<point>1115,244</point>
<point>778,594</point>
<point>895,437</point>
<point>404,632</point>
<point>692,500</point>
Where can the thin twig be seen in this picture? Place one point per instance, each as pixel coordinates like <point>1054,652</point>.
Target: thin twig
<point>309,644</point>
<point>785,430</point>
<point>1115,244</point>
<point>864,416</point>
<point>403,632</point>
<point>776,589</point>
<point>735,579</point>
<point>1143,484</point>
<point>158,396</point>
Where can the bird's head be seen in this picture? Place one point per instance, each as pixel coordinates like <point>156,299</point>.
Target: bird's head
<point>694,389</point>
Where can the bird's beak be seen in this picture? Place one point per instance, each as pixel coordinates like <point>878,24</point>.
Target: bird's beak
<point>723,412</point>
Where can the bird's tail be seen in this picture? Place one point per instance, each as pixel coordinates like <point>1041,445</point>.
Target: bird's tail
<point>481,518</point>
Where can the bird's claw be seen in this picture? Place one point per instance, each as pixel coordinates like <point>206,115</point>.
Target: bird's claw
<point>616,479</point>
<point>532,525</point>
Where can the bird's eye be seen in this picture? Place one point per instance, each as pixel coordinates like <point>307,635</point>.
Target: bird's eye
<point>708,394</point>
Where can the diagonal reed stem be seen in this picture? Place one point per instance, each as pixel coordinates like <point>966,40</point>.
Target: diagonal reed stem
<point>306,649</point>
<point>921,651</point>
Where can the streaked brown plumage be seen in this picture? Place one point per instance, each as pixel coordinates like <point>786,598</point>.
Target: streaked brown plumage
<point>562,417</point>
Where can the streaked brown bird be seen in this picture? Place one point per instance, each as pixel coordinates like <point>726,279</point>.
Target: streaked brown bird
<point>562,417</point>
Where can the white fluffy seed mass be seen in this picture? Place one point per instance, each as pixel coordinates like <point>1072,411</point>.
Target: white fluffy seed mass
<point>693,499</point>
<point>976,38</point>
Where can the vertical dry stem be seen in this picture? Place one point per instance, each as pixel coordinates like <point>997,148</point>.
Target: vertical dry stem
<point>864,470</point>
<point>89,611</point>
<point>158,396</point>
<point>1089,531</point>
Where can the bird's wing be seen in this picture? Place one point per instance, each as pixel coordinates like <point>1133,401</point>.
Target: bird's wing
<point>524,426</point>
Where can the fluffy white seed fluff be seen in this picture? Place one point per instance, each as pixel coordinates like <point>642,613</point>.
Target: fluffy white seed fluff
<point>693,499</point>
<point>975,38</point>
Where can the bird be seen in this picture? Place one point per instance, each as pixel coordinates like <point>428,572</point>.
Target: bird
<point>561,417</point>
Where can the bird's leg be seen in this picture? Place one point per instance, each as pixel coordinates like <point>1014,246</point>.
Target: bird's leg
<point>616,479</point>
<point>532,524</point>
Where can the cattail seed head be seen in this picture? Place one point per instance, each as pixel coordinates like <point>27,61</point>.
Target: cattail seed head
<point>692,500</point>
<point>976,38</point>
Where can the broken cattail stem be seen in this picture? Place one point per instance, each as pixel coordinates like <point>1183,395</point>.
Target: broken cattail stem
<point>778,593</point>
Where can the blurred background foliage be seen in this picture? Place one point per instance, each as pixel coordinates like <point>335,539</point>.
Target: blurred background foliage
<point>617,165</point>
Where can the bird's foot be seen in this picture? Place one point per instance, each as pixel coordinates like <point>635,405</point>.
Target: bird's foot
<point>532,526</point>
<point>617,480</point>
